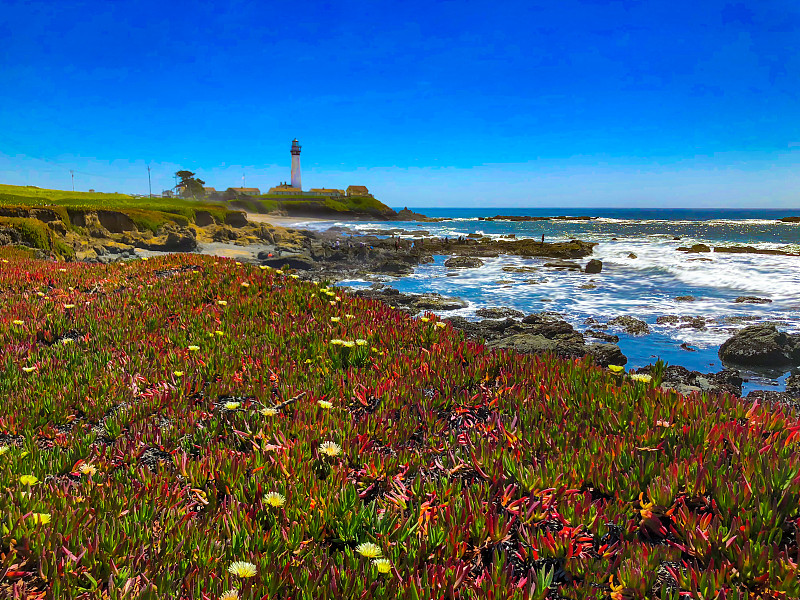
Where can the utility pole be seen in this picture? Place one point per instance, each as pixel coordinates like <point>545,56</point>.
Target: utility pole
<point>72,174</point>
<point>243,186</point>
<point>149,185</point>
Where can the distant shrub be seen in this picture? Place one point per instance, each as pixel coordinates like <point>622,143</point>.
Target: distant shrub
<point>32,232</point>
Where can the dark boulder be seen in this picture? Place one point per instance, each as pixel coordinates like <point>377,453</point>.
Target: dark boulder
<point>607,354</point>
<point>752,300</point>
<point>562,265</point>
<point>602,335</point>
<point>463,262</point>
<point>594,266</point>
<point>630,325</point>
<point>761,345</point>
<point>498,313</point>
<point>236,218</point>
<point>293,263</point>
<point>695,248</point>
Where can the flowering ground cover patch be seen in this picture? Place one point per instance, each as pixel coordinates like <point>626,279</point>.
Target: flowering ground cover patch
<point>191,427</point>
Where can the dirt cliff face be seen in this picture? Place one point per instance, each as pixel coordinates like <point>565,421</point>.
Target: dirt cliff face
<point>106,235</point>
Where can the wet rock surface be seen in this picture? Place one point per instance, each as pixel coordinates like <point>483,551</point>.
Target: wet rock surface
<point>761,345</point>
<point>463,262</point>
<point>593,266</point>
<point>412,303</point>
<point>752,300</point>
<point>630,325</point>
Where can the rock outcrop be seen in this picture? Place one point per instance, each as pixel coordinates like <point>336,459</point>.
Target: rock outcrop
<point>761,345</point>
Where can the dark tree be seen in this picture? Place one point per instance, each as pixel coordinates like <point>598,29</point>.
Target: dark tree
<point>189,185</point>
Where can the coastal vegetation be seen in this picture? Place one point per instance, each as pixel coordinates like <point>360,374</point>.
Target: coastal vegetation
<point>192,427</point>
<point>316,206</point>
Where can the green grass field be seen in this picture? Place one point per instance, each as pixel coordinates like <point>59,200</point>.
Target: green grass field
<point>146,213</point>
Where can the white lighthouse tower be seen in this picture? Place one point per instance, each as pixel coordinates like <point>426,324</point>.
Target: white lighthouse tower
<point>296,164</point>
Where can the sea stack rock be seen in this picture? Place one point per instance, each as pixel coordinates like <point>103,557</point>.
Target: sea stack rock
<point>594,266</point>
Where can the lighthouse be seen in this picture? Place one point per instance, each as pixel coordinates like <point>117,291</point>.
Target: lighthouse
<point>296,164</point>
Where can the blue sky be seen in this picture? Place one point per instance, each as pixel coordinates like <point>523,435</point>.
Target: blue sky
<point>468,103</point>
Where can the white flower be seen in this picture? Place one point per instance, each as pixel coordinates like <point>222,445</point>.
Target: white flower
<point>194,348</point>
<point>222,302</point>
<point>269,411</point>
<point>242,569</point>
<point>274,499</point>
<point>337,342</point>
<point>336,319</point>
<point>383,565</point>
<point>330,449</point>
<point>230,595</point>
<point>642,377</point>
<point>361,342</point>
<point>232,405</point>
<point>369,550</point>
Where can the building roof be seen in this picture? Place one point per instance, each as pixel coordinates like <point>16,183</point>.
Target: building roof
<point>245,190</point>
<point>357,188</point>
<point>326,190</point>
<point>209,189</point>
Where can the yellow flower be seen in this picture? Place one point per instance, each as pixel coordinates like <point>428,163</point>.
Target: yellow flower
<point>230,595</point>
<point>295,276</point>
<point>642,377</point>
<point>330,449</point>
<point>350,316</point>
<point>18,322</point>
<point>178,373</point>
<point>218,332</point>
<point>374,349</point>
<point>424,319</point>
<point>29,369</point>
<point>232,405</point>
<point>239,264</point>
<point>242,569</point>
<point>194,348</point>
<point>3,450</point>
<point>440,324</point>
<point>28,480</point>
<point>325,403</point>
<point>337,298</point>
<point>330,293</point>
<point>336,319</point>
<point>63,270</point>
<point>87,469</point>
<point>348,344</point>
<point>333,302</point>
<point>68,306</point>
<point>616,368</point>
<point>274,499</point>
<point>263,267</point>
<point>337,342</point>
<point>361,342</point>
<point>369,550</point>
<point>5,261</point>
<point>40,294</point>
<point>309,361</point>
<point>245,284</point>
<point>222,303</point>
<point>269,411</point>
<point>43,518</point>
<point>383,565</point>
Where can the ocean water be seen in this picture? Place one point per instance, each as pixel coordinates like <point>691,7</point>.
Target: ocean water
<point>644,287</point>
